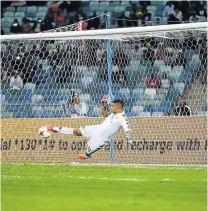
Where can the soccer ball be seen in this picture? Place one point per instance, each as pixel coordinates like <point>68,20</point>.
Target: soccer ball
<point>43,132</point>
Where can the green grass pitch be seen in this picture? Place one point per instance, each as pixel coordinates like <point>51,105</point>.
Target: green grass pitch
<point>60,187</point>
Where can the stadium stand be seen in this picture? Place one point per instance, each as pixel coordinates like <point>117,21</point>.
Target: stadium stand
<point>42,87</point>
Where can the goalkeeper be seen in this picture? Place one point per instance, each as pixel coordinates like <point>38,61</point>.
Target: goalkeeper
<point>99,134</point>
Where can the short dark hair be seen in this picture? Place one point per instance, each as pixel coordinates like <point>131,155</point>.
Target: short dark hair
<point>119,101</point>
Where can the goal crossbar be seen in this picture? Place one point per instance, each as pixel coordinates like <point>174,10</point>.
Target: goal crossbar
<point>96,34</point>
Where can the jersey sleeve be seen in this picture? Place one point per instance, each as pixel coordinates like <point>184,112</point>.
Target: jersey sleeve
<point>125,123</point>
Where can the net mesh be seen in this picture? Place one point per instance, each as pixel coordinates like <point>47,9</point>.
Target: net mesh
<point>149,73</point>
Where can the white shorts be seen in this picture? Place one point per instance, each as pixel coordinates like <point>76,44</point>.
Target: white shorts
<point>95,139</point>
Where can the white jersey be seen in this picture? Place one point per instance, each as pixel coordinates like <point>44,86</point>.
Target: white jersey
<point>113,123</point>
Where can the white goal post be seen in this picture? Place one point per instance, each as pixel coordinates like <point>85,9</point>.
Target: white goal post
<point>149,68</point>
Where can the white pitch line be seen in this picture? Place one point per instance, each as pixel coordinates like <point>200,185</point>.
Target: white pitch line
<point>98,178</point>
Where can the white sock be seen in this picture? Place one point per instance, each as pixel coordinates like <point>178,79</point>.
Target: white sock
<point>65,130</point>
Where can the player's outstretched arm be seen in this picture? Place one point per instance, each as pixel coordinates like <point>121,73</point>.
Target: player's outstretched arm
<point>65,130</point>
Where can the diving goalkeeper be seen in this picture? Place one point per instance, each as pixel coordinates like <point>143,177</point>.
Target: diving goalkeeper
<point>99,134</point>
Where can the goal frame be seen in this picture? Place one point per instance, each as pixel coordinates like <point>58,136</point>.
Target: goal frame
<point>105,34</point>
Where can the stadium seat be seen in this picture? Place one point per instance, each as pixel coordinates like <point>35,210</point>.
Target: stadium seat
<point>151,8</point>
<point>164,69</point>
<point>125,4</point>
<point>149,108</point>
<point>10,9</point>
<point>22,114</point>
<point>115,3</point>
<point>119,9</point>
<point>176,72</point>
<point>6,30</point>
<point>19,14</point>
<point>157,114</point>
<point>36,98</point>
<point>159,63</point>
<point>137,109</point>
<point>9,14</point>
<point>42,9</point>
<point>180,87</point>
<point>150,93</point>
<point>203,19</point>
<point>165,106</point>
<point>143,114</point>
<point>32,9</point>
<point>84,97</point>
<point>21,9</point>
<point>137,94</point>
<point>94,3</point>
<point>40,14</point>
<point>31,86</point>
<point>104,3</point>
<point>7,114</point>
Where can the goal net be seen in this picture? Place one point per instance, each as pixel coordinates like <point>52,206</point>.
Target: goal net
<point>152,69</point>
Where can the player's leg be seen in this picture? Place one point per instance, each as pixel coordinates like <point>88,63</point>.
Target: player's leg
<point>94,144</point>
<point>65,130</point>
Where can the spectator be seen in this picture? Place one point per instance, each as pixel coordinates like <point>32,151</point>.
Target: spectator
<point>148,53</point>
<point>54,6</point>
<point>144,3</point>
<point>172,19</point>
<point>15,27</point>
<point>76,109</point>
<point>182,109</point>
<point>18,3</point>
<point>105,109</point>
<point>70,6</point>
<point>161,52</point>
<point>103,66</point>
<point>38,26</point>
<point>64,74</point>
<point>121,60</point>
<point>203,66</point>
<point>139,19</point>
<point>16,82</point>
<point>178,14</point>
<point>123,20</point>
<point>94,23</point>
<point>26,28</point>
<point>56,55</point>
<point>201,11</point>
<point>147,16</point>
<point>169,59</point>
<point>2,31</point>
<point>165,82</point>
<point>59,18</point>
<point>168,9</point>
<point>194,17</point>
<point>80,16</point>
<point>153,82</point>
<point>180,59</point>
<point>134,16</point>
<point>186,15</point>
<point>44,54</point>
<point>48,21</point>
<point>34,51</point>
<point>157,21</point>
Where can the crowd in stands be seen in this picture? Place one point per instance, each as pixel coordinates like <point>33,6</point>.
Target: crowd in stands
<point>42,16</point>
<point>37,62</point>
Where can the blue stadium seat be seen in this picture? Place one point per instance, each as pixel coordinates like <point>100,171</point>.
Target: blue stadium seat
<point>165,106</point>
<point>149,108</point>
<point>10,9</point>
<point>157,114</point>
<point>22,114</point>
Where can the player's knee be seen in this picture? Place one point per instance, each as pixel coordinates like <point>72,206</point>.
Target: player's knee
<point>77,132</point>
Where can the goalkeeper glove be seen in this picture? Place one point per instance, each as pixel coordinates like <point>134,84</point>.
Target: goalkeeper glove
<point>129,139</point>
